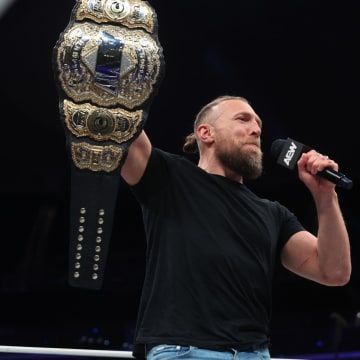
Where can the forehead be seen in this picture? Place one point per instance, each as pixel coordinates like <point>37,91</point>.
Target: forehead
<point>233,107</point>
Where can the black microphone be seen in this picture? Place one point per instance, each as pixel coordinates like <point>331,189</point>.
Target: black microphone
<point>288,152</point>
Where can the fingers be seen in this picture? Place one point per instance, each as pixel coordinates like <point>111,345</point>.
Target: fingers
<point>315,162</point>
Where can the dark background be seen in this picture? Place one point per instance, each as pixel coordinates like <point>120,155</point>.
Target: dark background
<point>296,61</point>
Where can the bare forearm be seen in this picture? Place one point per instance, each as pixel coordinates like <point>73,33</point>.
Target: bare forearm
<point>333,241</point>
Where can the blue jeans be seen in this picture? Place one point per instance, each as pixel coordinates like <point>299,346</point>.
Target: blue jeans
<point>169,352</point>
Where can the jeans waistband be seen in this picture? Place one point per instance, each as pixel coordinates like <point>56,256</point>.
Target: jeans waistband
<point>246,348</point>
<point>251,347</point>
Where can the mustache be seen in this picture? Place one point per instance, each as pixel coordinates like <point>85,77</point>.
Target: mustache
<point>254,142</point>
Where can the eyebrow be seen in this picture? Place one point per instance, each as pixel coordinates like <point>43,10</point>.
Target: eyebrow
<point>247,113</point>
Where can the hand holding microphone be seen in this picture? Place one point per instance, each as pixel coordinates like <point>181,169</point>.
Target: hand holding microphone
<point>288,152</point>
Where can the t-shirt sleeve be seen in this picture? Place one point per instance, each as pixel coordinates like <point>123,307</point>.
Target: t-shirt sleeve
<point>289,226</point>
<point>155,177</point>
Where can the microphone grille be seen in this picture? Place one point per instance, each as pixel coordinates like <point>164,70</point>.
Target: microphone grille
<point>276,147</point>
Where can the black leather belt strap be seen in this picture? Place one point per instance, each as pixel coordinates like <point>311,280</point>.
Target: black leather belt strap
<point>108,65</point>
<point>90,225</point>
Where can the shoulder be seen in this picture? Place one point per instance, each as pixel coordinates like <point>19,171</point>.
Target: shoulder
<point>174,160</point>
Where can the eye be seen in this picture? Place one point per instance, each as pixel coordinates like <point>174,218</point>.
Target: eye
<point>242,118</point>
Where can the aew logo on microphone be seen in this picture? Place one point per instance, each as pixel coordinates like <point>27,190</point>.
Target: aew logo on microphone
<point>291,153</point>
<point>288,152</point>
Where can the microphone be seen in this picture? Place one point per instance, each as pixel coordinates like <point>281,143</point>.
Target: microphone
<point>288,152</point>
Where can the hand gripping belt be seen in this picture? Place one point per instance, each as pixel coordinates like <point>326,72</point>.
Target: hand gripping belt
<point>108,64</point>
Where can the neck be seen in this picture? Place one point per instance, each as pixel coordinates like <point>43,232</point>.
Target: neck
<point>212,166</point>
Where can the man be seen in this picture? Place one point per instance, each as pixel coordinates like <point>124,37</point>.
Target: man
<point>212,243</point>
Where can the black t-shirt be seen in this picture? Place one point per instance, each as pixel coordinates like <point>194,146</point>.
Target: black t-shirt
<point>211,249</point>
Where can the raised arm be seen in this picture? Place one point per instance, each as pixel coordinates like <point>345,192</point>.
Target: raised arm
<point>136,160</point>
<point>324,258</point>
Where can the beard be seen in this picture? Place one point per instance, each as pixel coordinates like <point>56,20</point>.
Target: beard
<point>244,162</point>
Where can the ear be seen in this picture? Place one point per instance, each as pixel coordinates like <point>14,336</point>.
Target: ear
<point>205,133</point>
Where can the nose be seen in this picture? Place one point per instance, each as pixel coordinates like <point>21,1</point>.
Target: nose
<point>256,128</point>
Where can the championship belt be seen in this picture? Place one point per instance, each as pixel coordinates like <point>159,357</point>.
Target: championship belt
<point>108,64</point>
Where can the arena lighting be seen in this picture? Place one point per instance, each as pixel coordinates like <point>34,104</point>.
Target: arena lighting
<point>76,352</point>
<point>4,5</point>
<point>357,319</point>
